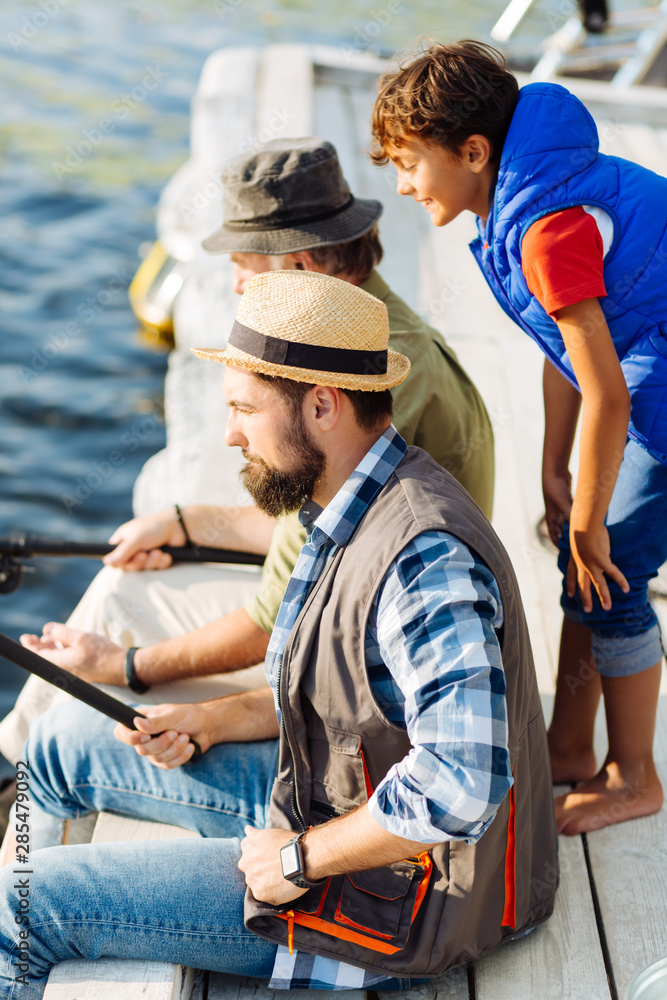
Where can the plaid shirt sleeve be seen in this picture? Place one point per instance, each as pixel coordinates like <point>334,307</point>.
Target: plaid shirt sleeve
<point>435,667</point>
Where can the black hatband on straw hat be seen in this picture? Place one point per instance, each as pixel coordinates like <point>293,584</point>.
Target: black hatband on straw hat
<point>299,355</point>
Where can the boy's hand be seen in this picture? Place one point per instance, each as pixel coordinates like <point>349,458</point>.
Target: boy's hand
<point>590,561</point>
<point>164,736</point>
<point>556,489</point>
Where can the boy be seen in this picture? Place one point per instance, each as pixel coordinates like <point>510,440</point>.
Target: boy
<point>574,247</point>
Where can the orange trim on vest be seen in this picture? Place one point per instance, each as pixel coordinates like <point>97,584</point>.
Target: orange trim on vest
<point>367,777</point>
<point>426,861</point>
<point>333,930</point>
<point>341,918</point>
<point>509,913</point>
<point>290,930</point>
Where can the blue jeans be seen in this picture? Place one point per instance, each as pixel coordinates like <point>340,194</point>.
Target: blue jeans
<point>178,901</point>
<point>626,639</point>
<point>175,901</point>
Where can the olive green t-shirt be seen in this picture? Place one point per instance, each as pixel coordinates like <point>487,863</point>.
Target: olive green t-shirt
<point>437,408</point>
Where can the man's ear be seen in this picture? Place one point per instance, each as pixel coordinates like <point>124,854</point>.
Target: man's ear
<point>303,260</point>
<point>323,406</point>
<point>476,152</point>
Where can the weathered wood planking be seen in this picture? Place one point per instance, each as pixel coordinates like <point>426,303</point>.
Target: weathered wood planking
<point>112,829</point>
<point>452,986</point>
<point>222,987</point>
<point>629,864</point>
<point>284,97</point>
<point>128,980</point>
<point>562,960</point>
<point>116,979</point>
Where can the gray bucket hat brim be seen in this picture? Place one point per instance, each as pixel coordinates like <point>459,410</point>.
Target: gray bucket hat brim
<point>286,196</point>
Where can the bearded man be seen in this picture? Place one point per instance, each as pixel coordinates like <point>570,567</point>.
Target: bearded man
<point>410,826</point>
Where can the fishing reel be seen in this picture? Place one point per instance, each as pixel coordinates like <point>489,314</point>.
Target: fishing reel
<point>11,574</point>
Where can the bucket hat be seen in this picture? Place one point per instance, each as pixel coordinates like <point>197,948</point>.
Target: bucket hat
<point>311,327</point>
<point>288,195</point>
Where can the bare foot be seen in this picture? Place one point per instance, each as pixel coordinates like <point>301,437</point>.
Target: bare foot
<point>608,798</point>
<point>569,765</point>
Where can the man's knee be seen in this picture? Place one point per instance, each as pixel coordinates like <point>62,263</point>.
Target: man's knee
<point>62,741</point>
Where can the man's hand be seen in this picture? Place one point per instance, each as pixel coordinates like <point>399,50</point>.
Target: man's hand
<point>138,541</point>
<point>92,657</point>
<point>591,560</point>
<point>260,863</point>
<point>164,736</point>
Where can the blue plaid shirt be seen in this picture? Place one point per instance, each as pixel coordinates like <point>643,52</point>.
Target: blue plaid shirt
<point>435,667</point>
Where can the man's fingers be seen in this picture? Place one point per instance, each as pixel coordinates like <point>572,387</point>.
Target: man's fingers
<point>156,559</point>
<point>120,554</point>
<point>169,749</point>
<point>136,562</point>
<point>33,642</point>
<point>129,736</point>
<point>57,632</point>
<point>152,726</point>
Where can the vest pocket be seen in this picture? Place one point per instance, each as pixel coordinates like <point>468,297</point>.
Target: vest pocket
<point>312,902</point>
<point>380,901</point>
<point>374,909</point>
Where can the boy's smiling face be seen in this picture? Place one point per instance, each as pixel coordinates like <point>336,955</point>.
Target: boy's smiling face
<point>444,183</point>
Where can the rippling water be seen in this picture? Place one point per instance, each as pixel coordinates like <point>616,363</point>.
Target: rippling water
<point>114,82</point>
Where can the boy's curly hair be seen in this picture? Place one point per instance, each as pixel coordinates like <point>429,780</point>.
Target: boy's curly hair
<point>445,94</point>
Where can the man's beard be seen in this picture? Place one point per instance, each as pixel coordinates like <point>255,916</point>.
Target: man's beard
<point>277,492</point>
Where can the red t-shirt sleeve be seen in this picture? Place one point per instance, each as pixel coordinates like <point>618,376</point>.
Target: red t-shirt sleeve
<point>562,259</point>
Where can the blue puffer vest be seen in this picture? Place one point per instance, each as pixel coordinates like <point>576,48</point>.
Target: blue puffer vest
<point>550,161</point>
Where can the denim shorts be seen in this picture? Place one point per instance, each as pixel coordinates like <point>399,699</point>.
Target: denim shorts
<point>626,639</point>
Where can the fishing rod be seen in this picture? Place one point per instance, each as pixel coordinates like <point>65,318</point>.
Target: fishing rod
<point>75,686</point>
<point>27,546</point>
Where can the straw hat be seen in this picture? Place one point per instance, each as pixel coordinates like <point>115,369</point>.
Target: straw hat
<point>311,327</point>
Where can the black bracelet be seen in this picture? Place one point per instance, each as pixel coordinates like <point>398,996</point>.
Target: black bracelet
<point>181,521</point>
<point>133,681</point>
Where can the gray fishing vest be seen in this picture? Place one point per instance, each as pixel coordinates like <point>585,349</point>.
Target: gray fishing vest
<point>421,915</point>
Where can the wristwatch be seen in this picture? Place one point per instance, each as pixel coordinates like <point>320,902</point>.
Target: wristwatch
<point>291,860</point>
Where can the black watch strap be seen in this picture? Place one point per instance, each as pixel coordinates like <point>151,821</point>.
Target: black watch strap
<point>133,681</point>
<point>298,878</point>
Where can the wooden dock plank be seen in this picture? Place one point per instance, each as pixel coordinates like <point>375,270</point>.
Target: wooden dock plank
<point>332,117</point>
<point>113,980</point>
<point>629,864</point>
<point>116,979</point>
<point>222,987</point>
<point>562,960</point>
<point>284,103</point>
<point>110,829</point>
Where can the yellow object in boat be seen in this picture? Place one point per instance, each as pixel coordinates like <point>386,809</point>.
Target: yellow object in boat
<point>153,290</point>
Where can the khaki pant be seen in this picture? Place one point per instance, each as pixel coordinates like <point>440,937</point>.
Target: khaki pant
<point>139,609</point>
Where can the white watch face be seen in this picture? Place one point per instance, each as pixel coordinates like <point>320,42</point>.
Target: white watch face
<point>289,857</point>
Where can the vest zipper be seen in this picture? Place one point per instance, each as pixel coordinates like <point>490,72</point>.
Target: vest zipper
<point>292,786</point>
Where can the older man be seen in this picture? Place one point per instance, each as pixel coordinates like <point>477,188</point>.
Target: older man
<point>410,826</point>
<point>288,206</point>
